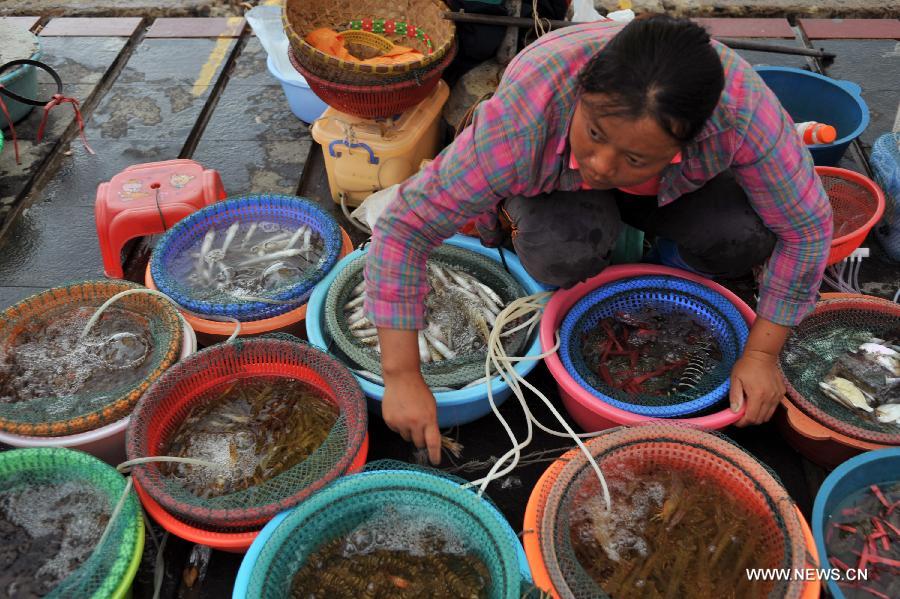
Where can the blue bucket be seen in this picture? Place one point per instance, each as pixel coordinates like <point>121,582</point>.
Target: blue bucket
<point>242,582</point>
<point>453,407</point>
<point>812,97</point>
<point>304,103</point>
<point>21,80</point>
<point>870,468</point>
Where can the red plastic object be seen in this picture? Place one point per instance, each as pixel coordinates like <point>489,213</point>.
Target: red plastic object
<point>233,542</point>
<point>860,196</point>
<point>375,101</point>
<point>148,198</point>
<point>590,412</point>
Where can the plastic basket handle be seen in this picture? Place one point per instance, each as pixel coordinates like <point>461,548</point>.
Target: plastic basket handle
<point>350,146</point>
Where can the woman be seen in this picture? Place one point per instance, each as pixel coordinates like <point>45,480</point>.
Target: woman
<point>652,124</point>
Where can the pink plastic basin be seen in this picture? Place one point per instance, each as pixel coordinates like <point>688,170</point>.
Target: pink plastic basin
<point>590,412</point>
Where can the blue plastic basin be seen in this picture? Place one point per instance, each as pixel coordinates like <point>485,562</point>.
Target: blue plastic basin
<point>304,103</point>
<point>453,407</point>
<point>809,96</point>
<point>243,577</point>
<point>870,468</point>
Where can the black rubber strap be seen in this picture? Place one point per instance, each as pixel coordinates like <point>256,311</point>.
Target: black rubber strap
<point>34,63</point>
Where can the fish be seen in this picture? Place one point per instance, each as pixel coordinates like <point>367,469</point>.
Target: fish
<point>846,393</point>
<point>229,236</point>
<point>888,413</point>
<point>273,256</point>
<point>884,356</point>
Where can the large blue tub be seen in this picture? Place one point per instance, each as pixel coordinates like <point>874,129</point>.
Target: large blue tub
<point>809,96</point>
<point>870,468</point>
<point>453,407</point>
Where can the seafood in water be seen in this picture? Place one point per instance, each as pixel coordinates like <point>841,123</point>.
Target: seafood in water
<point>47,531</point>
<point>253,428</point>
<point>413,557</point>
<point>50,371</point>
<point>459,312</point>
<point>845,392</point>
<point>867,380</point>
<point>670,533</point>
<point>863,533</point>
<point>651,351</point>
<point>268,258</point>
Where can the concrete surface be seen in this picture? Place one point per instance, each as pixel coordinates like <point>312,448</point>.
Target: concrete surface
<point>119,8</point>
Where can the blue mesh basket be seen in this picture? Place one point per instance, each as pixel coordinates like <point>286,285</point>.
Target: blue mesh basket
<point>886,165</point>
<point>284,210</point>
<point>717,313</point>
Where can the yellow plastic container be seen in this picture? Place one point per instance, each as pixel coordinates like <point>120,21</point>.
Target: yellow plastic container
<point>363,156</point>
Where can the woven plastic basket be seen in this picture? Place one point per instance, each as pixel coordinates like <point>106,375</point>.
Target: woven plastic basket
<point>628,453</point>
<point>284,213</point>
<point>835,327</point>
<point>57,416</point>
<point>857,204</point>
<point>417,497</point>
<point>375,101</point>
<point>111,566</point>
<point>184,387</point>
<point>423,28</point>
<point>666,293</point>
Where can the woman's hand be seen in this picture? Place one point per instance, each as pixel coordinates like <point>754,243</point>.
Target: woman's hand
<point>409,409</point>
<point>756,383</point>
<point>755,380</point>
<point>408,406</point>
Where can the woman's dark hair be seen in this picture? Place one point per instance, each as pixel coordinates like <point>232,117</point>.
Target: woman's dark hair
<point>661,67</point>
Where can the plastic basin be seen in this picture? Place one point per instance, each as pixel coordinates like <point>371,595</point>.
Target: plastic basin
<point>242,582</point>
<point>870,468</point>
<point>818,443</point>
<point>591,413</point>
<point>232,542</point>
<point>453,407</point>
<point>532,543</point>
<point>106,442</point>
<point>304,103</point>
<point>213,331</point>
<point>809,96</point>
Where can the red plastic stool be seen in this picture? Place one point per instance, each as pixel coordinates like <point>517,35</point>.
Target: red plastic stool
<point>149,198</point>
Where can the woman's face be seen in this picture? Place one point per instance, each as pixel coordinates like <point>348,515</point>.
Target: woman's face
<point>615,151</point>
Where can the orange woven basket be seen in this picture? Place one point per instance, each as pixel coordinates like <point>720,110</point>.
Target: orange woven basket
<point>422,27</point>
<point>39,308</point>
<point>857,204</point>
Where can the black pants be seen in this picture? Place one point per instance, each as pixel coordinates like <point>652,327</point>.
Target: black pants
<point>565,237</point>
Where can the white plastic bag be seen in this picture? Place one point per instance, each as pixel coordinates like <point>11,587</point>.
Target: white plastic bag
<point>373,206</point>
<point>266,24</point>
<point>584,12</point>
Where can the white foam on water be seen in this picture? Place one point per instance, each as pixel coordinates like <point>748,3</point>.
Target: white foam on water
<point>53,365</point>
<point>404,529</point>
<point>72,511</point>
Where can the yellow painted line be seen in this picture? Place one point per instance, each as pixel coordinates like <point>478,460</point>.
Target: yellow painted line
<point>624,4</point>
<point>208,71</point>
<point>271,2</point>
<point>234,24</point>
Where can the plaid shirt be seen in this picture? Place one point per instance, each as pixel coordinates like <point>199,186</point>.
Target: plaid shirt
<point>517,145</point>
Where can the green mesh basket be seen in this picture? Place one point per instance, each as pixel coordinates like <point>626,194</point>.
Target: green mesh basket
<point>836,327</point>
<point>458,371</point>
<point>341,508</point>
<point>111,566</point>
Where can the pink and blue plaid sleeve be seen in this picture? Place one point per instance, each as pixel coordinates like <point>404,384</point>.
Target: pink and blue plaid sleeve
<point>468,178</point>
<point>777,174</point>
